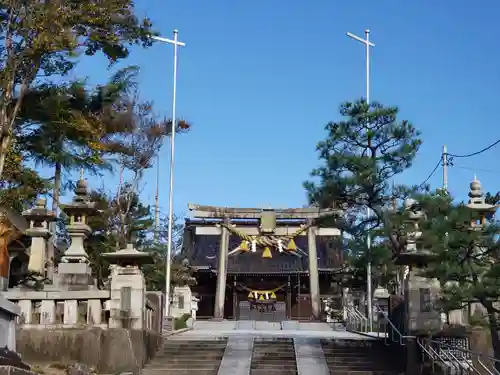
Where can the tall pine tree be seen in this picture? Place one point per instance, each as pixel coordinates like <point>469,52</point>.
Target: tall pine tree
<point>360,156</point>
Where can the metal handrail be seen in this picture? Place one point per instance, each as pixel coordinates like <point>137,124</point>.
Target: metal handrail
<point>446,358</point>
<point>360,320</point>
<point>471,354</point>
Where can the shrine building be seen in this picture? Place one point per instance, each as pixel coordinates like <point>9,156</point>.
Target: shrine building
<point>262,264</point>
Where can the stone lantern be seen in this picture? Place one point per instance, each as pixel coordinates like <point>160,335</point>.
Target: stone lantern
<point>128,288</point>
<point>420,293</point>
<point>39,218</point>
<point>413,254</point>
<point>477,203</point>
<point>74,268</point>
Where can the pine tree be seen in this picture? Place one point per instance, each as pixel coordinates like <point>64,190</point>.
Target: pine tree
<point>360,156</point>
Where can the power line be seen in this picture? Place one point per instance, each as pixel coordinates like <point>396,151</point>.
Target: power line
<point>432,173</point>
<point>475,153</point>
<point>476,169</point>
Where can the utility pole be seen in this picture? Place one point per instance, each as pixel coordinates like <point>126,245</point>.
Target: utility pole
<point>367,44</point>
<point>445,168</point>
<point>157,198</point>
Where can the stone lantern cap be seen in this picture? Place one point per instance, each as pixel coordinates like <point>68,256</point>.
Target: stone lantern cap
<point>81,204</point>
<point>40,212</point>
<point>128,256</point>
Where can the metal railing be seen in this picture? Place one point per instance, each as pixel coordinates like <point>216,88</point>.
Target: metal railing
<point>355,320</point>
<point>434,352</point>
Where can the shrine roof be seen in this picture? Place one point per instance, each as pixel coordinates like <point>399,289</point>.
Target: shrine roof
<point>204,249</point>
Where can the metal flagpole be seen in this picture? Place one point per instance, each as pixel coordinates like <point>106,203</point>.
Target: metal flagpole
<point>168,264</point>
<point>367,44</point>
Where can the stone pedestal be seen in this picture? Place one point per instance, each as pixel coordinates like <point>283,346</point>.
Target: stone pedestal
<point>128,288</point>
<point>182,298</point>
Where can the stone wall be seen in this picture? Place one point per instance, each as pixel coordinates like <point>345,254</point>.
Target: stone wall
<point>8,313</point>
<point>106,350</point>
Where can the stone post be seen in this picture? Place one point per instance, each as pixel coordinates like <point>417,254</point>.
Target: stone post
<point>220,294</point>
<point>313,274</point>
<point>39,218</point>
<point>74,271</point>
<point>128,288</point>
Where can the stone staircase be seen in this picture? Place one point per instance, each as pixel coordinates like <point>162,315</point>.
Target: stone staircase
<point>188,357</point>
<point>275,356</point>
<point>360,357</point>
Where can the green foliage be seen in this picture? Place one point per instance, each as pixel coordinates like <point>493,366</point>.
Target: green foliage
<point>181,323</point>
<point>466,261</point>
<point>359,157</point>
<point>20,185</point>
<point>181,273</point>
<point>464,256</point>
<point>44,39</point>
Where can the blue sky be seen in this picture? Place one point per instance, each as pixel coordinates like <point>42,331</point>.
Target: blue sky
<point>259,80</point>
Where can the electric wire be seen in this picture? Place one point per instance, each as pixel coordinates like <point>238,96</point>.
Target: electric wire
<point>431,174</point>
<point>475,153</point>
<point>476,169</point>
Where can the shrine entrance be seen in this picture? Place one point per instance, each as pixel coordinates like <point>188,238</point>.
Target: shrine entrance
<point>261,305</point>
<point>261,264</point>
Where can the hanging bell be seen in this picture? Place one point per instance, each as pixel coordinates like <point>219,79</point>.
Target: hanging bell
<point>267,253</point>
<point>244,246</point>
<point>291,245</point>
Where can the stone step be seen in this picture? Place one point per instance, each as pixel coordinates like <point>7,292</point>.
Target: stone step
<point>180,372</point>
<point>195,362</point>
<point>268,367</point>
<point>185,366</point>
<point>273,356</point>
<point>200,348</point>
<point>183,357</point>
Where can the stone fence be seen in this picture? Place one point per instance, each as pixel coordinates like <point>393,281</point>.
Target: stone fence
<point>8,314</point>
<point>90,308</point>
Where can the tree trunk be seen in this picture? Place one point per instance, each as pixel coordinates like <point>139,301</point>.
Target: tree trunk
<point>495,338</point>
<point>57,187</point>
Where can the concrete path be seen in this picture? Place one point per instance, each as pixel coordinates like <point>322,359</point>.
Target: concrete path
<point>310,357</point>
<point>207,334</point>
<point>237,356</point>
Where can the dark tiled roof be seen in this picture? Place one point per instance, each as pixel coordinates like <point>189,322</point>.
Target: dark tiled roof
<point>206,248</point>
